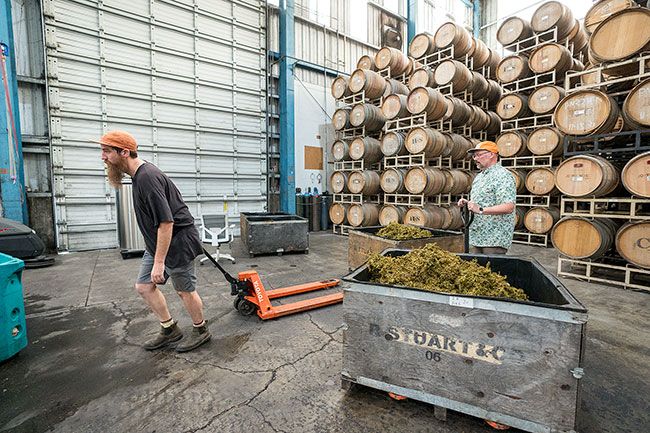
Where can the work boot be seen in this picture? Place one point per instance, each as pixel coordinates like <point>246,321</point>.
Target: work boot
<point>199,335</point>
<point>164,337</point>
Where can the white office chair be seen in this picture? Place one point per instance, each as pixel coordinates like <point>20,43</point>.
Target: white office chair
<point>216,231</point>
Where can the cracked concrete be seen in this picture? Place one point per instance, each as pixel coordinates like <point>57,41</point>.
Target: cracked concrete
<point>84,369</point>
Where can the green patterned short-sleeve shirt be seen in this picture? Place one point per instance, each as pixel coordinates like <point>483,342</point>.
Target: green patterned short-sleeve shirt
<point>492,186</point>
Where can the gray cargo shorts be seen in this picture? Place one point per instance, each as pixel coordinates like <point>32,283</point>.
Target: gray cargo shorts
<point>183,278</point>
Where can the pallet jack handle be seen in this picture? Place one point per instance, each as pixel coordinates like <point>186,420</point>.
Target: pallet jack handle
<point>236,286</point>
<point>467,217</point>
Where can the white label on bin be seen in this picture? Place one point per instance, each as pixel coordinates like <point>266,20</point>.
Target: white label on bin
<point>457,301</point>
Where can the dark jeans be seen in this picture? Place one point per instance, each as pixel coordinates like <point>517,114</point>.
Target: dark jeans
<point>487,250</point>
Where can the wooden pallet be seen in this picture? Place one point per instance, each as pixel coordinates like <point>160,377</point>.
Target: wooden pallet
<point>533,239</point>
<point>625,208</point>
<point>626,276</point>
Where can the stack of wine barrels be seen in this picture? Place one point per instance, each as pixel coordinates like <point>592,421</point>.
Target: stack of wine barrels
<point>359,122</point>
<point>553,40</point>
<point>603,108</point>
<point>448,78</point>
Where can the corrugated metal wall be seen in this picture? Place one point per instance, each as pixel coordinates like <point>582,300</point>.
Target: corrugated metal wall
<point>185,77</point>
<point>320,45</point>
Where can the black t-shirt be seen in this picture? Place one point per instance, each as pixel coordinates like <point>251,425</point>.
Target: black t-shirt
<point>156,199</point>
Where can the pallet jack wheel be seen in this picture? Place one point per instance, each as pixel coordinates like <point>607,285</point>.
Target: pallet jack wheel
<point>245,308</point>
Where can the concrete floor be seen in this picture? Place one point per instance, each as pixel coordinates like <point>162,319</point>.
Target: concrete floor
<point>84,370</point>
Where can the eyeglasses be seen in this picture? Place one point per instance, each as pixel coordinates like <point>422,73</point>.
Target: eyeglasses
<point>477,155</point>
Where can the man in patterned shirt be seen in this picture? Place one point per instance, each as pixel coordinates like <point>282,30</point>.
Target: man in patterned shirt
<point>492,200</point>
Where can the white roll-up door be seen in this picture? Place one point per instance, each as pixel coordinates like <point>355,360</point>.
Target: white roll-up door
<point>185,77</point>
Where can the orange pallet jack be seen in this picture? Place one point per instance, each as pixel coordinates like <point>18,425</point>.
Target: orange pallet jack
<point>251,296</point>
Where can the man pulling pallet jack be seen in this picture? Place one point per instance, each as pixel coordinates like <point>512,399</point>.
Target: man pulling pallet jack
<point>251,296</point>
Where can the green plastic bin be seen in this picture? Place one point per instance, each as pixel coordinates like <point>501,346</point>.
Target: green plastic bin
<point>13,330</point>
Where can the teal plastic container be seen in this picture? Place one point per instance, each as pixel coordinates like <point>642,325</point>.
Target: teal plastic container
<point>13,330</point>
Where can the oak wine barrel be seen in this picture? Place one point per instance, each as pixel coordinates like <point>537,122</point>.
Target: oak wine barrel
<point>428,216</point>
<point>636,108</point>
<point>455,73</point>
<point>367,62</point>
<point>480,54</point>
<point>340,88</point>
<point>512,106</point>
<point>365,182</point>
<point>549,57</point>
<point>579,38</point>
<point>513,68</point>
<point>425,180</point>
<point>457,181</point>
<point>621,35</point>
<point>422,77</point>
<point>422,44</point>
<point>512,143</point>
<point>429,141</point>
<point>493,64</point>
<point>586,175</point>
<point>494,126</point>
<point>457,146</point>
<point>495,92</point>
<point>520,179</point>
<point>545,98</point>
<point>366,148</point>
<point>586,112</point>
<point>636,175</point>
<point>369,82</point>
<point>580,238</point>
<point>339,182</point>
<point>633,243</point>
<point>553,14</point>
<point>520,212</point>
<point>392,58</point>
<point>480,86</point>
<point>393,144</point>
<point>452,34</point>
<point>540,220</point>
<point>363,215</point>
<point>390,213</point>
<point>339,213</point>
<point>515,29</point>
<point>395,87</point>
<point>395,106</point>
<point>602,10</point>
<point>479,118</point>
<point>541,181</point>
<point>392,180</point>
<point>453,217</point>
<point>427,100</point>
<point>458,111</point>
<point>341,119</point>
<point>546,141</point>
<point>367,115</point>
<point>341,151</point>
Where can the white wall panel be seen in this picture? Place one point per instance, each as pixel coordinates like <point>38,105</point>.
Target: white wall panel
<point>185,77</point>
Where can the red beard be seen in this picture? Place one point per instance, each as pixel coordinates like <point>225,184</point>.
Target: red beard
<point>116,173</point>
